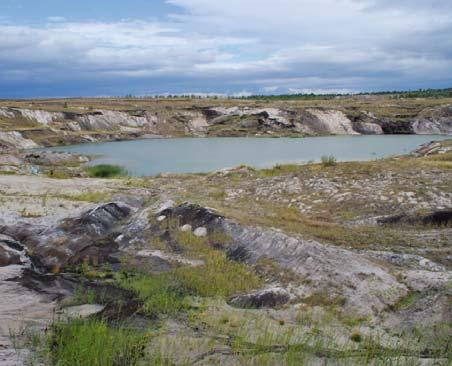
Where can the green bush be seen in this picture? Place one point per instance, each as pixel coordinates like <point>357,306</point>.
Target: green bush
<point>105,171</point>
<point>328,161</point>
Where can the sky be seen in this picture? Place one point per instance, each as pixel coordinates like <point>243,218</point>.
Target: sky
<point>55,48</point>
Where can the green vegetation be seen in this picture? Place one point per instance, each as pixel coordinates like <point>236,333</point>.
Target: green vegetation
<point>428,93</point>
<point>7,172</point>
<point>182,311</point>
<point>279,169</point>
<point>218,277</point>
<point>420,93</point>
<point>168,293</point>
<point>160,293</point>
<point>407,301</point>
<point>328,161</point>
<point>94,343</point>
<point>106,171</point>
<point>88,197</point>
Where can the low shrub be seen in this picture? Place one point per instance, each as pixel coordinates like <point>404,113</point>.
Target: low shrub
<point>106,171</point>
<point>328,161</point>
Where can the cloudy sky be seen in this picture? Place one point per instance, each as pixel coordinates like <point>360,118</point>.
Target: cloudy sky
<point>146,47</point>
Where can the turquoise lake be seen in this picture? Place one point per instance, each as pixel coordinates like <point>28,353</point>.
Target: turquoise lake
<point>190,155</point>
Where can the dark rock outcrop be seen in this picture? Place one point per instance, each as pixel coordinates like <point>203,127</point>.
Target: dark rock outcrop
<point>437,218</point>
<point>266,298</point>
<point>90,237</point>
<point>97,222</point>
<point>194,215</point>
<point>397,128</point>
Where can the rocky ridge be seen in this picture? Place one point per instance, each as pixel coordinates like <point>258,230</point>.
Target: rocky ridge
<point>105,124</point>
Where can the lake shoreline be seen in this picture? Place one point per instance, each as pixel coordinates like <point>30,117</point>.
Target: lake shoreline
<point>202,155</point>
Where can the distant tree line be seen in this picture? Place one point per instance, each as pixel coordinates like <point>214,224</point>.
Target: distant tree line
<point>420,93</point>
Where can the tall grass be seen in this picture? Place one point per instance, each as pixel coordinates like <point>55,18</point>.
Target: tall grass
<point>94,343</point>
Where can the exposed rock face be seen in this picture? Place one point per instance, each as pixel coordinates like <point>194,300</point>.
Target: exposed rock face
<point>331,121</point>
<point>311,121</point>
<point>16,140</point>
<point>367,128</point>
<point>197,123</point>
<point>112,120</point>
<point>269,115</point>
<point>42,117</point>
<point>407,261</point>
<point>438,121</point>
<point>367,287</point>
<point>214,121</point>
<point>73,240</point>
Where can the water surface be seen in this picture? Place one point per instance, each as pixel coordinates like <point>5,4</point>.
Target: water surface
<point>190,155</point>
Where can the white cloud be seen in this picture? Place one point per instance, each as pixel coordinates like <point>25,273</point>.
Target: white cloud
<point>322,45</point>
